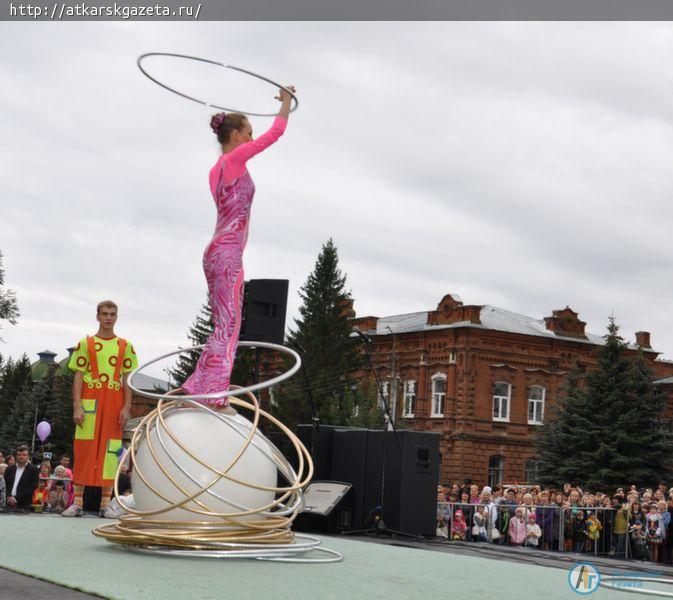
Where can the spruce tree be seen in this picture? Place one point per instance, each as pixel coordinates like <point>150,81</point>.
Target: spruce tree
<point>606,434</point>
<point>557,434</point>
<point>9,308</point>
<point>59,414</point>
<point>198,334</point>
<point>322,336</point>
<point>15,379</point>
<point>200,330</point>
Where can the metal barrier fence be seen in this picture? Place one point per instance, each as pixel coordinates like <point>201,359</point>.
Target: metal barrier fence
<point>591,530</point>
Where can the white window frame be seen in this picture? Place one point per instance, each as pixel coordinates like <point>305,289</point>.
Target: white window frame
<point>409,399</point>
<point>453,357</point>
<point>538,403</point>
<point>438,396</point>
<point>385,388</point>
<point>500,400</point>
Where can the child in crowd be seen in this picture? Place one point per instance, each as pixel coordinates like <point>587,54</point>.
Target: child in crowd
<point>533,532</point>
<point>479,524</point>
<point>654,532</point>
<point>58,498</point>
<point>639,540</point>
<point>458,526</point>
<point>594,527</point>
<point>517,528</point>
<point>579,531</point>
<point>40,496</point>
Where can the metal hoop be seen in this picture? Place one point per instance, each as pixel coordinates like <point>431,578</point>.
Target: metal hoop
<point>218,64</point>
<point>230,392</point>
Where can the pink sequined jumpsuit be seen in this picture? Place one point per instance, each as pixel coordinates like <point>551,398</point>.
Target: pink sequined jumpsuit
<point>233,190</point>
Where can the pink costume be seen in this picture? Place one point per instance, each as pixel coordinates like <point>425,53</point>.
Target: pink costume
<point>233,190</point>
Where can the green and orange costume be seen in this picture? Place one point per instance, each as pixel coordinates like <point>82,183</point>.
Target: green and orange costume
<point>98,441</point>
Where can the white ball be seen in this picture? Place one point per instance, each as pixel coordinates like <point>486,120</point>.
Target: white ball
<point>214,442</point>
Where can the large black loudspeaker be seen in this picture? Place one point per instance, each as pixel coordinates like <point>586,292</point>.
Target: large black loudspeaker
<point>349,463</point>
<point>411,478</point>
<point>264,307</point>
<point>411,474</point>
<point>319,443</point>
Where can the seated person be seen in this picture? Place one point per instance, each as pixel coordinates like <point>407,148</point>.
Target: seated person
<point>21,479</point>
<point>58,497</point>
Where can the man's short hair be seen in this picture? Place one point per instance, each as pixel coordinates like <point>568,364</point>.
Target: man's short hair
<point>22,448</point>
<point>105,304</point>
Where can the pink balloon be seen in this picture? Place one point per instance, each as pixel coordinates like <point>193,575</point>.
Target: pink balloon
<point>43,430</point>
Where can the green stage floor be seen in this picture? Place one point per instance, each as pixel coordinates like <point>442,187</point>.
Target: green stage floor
<point>65,552</point>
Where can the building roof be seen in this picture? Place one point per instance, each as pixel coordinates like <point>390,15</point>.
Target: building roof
<point>151,384</point>
<point>491,317</point>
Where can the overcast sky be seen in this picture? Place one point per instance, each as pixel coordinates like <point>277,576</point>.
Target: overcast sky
<point>523,165</point>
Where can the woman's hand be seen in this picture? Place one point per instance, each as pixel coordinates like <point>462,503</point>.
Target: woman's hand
<point>286,100</point>
<point>284,96</point>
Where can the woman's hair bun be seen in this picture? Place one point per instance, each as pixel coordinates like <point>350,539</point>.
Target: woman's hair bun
<point>217,121</point>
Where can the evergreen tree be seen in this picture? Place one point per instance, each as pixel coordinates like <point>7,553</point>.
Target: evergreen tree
<point>323,338</point>
<point>556,465</point>
<point>202,327</point>
<point>198,334</point>
<point>17,428</point>
<point>59,414</point>
<point>9,308</point>
<point>606,434</point>
<point>14,380</point>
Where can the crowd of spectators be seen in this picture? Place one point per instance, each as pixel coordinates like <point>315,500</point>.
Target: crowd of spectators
<point>39,485</point>
<point>630,523</point>
<point>25,486</point>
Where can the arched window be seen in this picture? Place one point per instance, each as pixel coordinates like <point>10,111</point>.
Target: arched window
<point>496,470</point>
<point>409,398</point>
<point>502,392</point>
<point>536,396</point>
<point>438,394</point>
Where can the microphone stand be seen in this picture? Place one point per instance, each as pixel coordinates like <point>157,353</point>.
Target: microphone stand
<point>380,525</point>
<point>315,420</point>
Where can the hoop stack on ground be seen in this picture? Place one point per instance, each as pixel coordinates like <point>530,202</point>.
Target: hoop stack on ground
<point>205,484</point>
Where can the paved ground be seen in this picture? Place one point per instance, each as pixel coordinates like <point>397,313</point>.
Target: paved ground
<point>14,587</point>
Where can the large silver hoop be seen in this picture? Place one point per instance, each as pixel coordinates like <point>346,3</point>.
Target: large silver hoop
<point>218,64</point>
<point>231,392</point>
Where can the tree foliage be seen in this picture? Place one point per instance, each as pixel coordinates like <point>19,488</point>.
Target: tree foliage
<point>9,307</point>
<point>605,431</point>
<point>322,336</point>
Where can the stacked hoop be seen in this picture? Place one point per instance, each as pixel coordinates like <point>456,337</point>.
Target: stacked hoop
<point>261,532</point>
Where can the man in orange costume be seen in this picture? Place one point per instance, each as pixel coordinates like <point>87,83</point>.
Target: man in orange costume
<point>101,405</point>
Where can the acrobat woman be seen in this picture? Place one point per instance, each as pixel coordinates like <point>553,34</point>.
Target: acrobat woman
<point>233,190</point>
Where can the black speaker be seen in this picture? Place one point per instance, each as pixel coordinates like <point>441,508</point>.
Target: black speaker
<point>264,307</point>
<point>349,463</point>
<point>319,445</point>
<point>412,475</point>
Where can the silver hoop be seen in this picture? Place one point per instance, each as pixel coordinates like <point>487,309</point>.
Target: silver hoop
<point>231,392</point>
<point>269,552</point>
<point>218,64</point>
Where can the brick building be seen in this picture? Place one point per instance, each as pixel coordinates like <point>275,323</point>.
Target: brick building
<point>483,377</point>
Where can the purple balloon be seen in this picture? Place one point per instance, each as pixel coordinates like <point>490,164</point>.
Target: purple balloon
<point>43,430</point>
